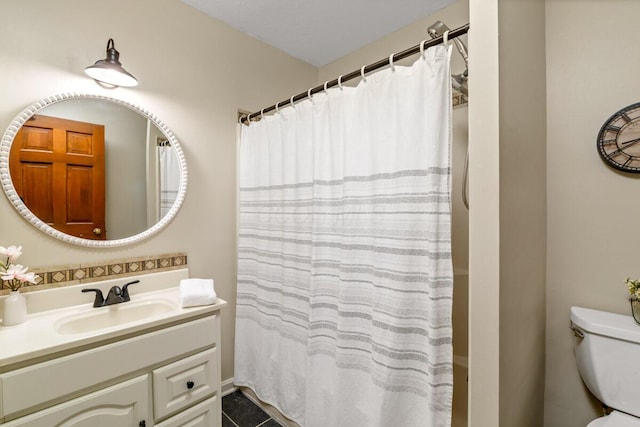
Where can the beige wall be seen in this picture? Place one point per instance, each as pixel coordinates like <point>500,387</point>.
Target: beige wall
<point>507,221</point>
<point>593,60</point>
<point>484,215</point>
<point>194,74</point>
<point>522,212</point>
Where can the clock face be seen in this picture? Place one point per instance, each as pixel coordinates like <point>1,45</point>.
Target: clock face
<point>619,140</point>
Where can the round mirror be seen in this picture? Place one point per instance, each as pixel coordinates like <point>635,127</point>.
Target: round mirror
<point>92,170</point>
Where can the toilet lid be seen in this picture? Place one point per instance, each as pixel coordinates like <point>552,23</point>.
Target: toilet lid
<point>616,419</point>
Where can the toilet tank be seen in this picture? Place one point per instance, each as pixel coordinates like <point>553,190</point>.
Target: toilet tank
<point>608,357</point>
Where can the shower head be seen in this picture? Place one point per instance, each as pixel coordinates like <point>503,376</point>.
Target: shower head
<point>437,30</point>
<point>459,83</point>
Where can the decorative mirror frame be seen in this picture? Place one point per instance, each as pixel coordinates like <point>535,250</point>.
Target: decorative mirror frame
<point>10,191</point>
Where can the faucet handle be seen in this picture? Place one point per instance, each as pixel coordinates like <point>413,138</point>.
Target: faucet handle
<point>114,296</point>
<point>125,290</point>
<point>99,300</point>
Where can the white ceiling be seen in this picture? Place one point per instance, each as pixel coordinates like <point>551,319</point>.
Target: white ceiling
<point>318,31</point>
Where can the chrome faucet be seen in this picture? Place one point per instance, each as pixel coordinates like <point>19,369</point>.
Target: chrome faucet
<point>116,295</point>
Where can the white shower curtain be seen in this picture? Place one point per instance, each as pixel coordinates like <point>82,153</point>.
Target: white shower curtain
<point>344,258</point>
<point>169,177</point>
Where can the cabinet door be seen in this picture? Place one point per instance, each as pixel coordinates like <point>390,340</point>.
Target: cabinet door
<point>204,414</point>
<point>122,405</point>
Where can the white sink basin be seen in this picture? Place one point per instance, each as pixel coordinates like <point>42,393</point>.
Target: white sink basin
<point>112,316</point>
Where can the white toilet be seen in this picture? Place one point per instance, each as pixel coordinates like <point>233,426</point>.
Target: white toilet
<point>608,355</point>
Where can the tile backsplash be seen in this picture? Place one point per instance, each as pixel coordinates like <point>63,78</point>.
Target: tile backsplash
<point>459,99</point>
<point>53,277</point>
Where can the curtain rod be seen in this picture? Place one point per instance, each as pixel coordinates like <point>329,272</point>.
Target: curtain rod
<point>358,73</point>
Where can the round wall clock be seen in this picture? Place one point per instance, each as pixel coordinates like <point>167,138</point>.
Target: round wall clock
<point>619,140</point>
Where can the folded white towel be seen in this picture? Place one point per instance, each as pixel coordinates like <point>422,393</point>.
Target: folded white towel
<point>194,292</point>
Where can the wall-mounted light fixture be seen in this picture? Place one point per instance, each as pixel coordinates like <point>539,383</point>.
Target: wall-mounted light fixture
<point>109,71</point>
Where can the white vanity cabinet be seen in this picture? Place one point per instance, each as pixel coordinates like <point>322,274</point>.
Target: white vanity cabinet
<point>167,375</point>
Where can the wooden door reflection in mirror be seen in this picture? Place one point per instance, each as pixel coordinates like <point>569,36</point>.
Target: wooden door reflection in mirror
<point>57,167</point>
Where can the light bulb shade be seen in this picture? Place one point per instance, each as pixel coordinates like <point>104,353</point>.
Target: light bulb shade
<point>110,71</point>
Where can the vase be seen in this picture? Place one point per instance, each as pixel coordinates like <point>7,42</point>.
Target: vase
<point>635,308</point>
<point>14,309</point>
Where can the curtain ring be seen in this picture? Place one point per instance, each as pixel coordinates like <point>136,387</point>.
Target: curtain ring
<point>364,79</point>
<point>422,48</point>
<point>393,67</point>
<point>291,101</point>
<point>445,38</point>
<point>309,95</point>
<point>325,86</point>
<point>277,109</point>
<point>262,114</point>
<point>340,82</point>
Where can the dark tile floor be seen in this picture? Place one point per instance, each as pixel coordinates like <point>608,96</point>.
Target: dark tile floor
<point>240,411</point>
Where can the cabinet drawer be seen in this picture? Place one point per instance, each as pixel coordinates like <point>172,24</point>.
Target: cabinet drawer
<point>181,383</point>
<point>21,389</point>
<point>122,405</point>
<point>205,414</point>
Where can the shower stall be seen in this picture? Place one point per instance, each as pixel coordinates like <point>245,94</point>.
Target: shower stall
<point>257,291</point>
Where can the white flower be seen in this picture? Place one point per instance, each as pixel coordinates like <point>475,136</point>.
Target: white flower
<point>15,271</point>
<point>13,276</point>
<point>12,252</point>
<point>19,272</point>
<point>28,277</point>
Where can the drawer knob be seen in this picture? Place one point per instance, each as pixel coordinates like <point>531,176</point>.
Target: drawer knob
<point>190,384</point>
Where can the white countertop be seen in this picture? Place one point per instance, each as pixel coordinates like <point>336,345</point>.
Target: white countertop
<point>38,336</point>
